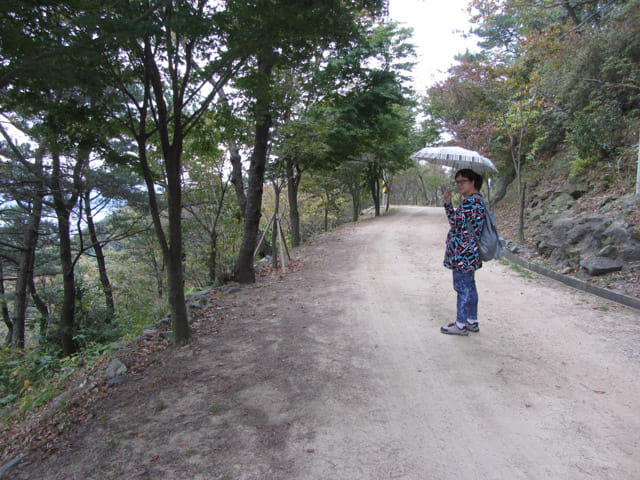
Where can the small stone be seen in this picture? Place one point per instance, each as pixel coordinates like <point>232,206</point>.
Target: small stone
<point>61,399</point>
<point>167,335</point>
<point>595,266</point>
<point>115,381</point>
<point>115,368</point>
<point>609,251</point>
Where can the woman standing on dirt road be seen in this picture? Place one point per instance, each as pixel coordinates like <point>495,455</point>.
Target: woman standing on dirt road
<point>461,254</point>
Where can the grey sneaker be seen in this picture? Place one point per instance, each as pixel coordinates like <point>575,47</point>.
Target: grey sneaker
<point>473,327</point>
<point>452,329</point>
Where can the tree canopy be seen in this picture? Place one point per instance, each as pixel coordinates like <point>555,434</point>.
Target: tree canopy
<point>550,77</point>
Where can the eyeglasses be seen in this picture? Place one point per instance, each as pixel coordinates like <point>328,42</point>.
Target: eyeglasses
<point>464,180</point>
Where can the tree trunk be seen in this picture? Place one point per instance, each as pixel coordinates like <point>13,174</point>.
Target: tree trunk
<point>236,162</point>
<point>159,273</point>
<point>244,268</point>
<point>213,256</point>
<point>40,305</point>
<point>355,201</point>
<point>293,182</point>
<point>68,307</point>
<point>424,190</point>
<point>387,196</point>
<point>102,266</point>
<point>171,134</point>
<point>25,270</point>
<point>374,185</point>
<point>64,200</point>
<point>6,318</point>
<point>174,260</point>
<point>521,218</point>
<point>236,176</point>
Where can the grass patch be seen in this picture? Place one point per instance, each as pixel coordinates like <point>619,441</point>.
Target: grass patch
<point>524,273</point>
<point>111,442</point>
<point>159,406</point>
<point>604,308</point>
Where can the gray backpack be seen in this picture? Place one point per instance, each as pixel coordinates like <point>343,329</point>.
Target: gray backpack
<point>490,243</point>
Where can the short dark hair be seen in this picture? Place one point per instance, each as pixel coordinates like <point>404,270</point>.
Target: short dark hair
<point>469,174</point>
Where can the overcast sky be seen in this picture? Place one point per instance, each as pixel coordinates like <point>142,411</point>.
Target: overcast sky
<point>438,26</point>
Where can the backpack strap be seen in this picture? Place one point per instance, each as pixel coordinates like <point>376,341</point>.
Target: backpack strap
<point>466,221</point>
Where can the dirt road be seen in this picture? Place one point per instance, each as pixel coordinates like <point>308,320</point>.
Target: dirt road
<point>338,370</point>
<point>548,388</point>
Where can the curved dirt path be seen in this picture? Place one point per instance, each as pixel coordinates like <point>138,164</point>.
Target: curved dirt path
<point>338,371</point>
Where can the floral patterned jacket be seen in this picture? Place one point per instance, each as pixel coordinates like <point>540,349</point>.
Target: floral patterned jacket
<point>461,253</point>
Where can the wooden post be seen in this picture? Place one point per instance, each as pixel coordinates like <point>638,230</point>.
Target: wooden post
<point>282,245</point>
<point>286,249</point>
<point>255,252</point>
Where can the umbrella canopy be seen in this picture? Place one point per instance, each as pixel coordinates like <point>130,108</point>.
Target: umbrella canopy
<point>457,158</point>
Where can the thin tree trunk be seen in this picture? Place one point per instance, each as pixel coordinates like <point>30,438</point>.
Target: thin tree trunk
<point>355,201</point>
<point>171,134</point>
<point>100,260</point>
<point>374,185</point>
<point>244,269</point>
<point>424,190</point>
<point>5,310</point>
<point>174,260</point>
<point>40,304</point>
<point>236,163</point>
<point>521,221</point>
<point>387,194</point>
<point>27,257</point>
<point>25,271</point>
<point>159,273</point>
<point>63,207</point>
<point>68,308</point>
<point>213,256</point>
<point>236,176</point>
<point>293,182</point>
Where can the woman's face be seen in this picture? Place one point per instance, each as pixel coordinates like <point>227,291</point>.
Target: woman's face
<point>465,186</point>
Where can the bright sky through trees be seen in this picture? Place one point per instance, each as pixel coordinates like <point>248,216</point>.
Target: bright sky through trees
<point>438,28</point>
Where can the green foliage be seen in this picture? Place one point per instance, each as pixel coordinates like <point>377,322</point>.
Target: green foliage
<point>24,376</point>
<point>94,322</point>
<point>578,166</point>
<point>595,132</point>
<point>30,378</point>
<point>324,204</point>
<point>551,77</point>
<point>71,80</point>
<point>139,286</point>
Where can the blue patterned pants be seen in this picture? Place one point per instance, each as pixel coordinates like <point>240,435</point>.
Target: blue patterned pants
<point>467,304</point>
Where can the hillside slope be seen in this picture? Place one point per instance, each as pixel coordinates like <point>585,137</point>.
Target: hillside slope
<point>578,228</point>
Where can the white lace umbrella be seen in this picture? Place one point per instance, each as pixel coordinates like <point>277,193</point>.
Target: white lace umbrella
<point>456,157</point>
